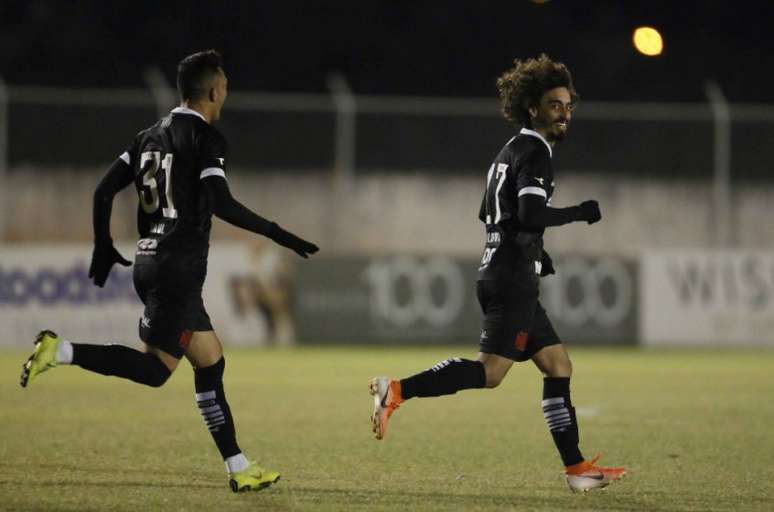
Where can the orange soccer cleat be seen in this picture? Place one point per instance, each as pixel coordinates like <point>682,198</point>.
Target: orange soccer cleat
<point>387,399</point>
<point>586,475</point>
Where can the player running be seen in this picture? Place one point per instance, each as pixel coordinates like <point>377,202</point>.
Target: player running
<point>178,167</point>
<point>537,94</point>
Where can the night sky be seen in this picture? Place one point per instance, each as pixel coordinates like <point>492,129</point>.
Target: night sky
<point>396,47</point>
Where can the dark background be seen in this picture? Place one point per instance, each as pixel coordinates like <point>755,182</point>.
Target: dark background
<point>396,47</point>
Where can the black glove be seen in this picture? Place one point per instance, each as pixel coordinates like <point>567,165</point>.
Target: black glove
<point>102,260</point>
<point>546,265</point>
<point>589,211</point>
<point>291,241</point>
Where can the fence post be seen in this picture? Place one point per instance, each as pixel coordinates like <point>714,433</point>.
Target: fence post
<point>163,94</point>
<point>344,157</point>
<point>4,161</point>
<point>721,120</point>
<point>346,112</point>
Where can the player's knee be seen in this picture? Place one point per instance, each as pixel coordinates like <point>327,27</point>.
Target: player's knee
<point>493,383</point>
<point>493,378</point>
<point>559,368</point>
<point>159,378</point>
<point>157,372</point>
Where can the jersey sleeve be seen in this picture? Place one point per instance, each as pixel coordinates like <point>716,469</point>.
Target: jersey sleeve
<point>534,175</point>
<point>212,155</point>
<point>130,154</point>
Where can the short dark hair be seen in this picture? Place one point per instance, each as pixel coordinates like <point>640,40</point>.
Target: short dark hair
<point>522,86</point>
<point>195,72</point>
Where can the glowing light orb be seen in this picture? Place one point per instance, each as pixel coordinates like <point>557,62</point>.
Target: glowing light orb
<point>648,41</point>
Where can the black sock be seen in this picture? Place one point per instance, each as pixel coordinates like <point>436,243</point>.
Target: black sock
<point>214,408</point>
<point>560,416</point>
<point>445,378</point>
<point>121,361</point>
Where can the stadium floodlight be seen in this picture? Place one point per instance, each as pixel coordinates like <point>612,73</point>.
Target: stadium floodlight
<point>648,41</point>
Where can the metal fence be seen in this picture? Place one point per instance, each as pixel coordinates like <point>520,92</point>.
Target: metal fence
<point>72,127</point>
<point>349,135</point>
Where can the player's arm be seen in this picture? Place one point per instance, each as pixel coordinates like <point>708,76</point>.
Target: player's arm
<point>118,177</point>
<point>227,208</point>
<point>533,211</point>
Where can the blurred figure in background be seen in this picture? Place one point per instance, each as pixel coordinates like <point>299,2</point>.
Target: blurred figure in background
<point>262,298</point>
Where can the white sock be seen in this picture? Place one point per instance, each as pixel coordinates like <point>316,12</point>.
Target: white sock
<point>237,463</point>
<point>64,352</point>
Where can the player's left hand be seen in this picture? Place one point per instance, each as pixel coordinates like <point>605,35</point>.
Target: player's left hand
<point>546,265</point>
<point>293,242</point>
<point>102,260</point>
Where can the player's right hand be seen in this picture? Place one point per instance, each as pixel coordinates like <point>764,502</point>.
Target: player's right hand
<point>102,260</point>
<point>589,211</point>
<point>291,241</point>
<point>546,265</point>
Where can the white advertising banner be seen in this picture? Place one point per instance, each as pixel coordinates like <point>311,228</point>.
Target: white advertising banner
<point>705,297</point>
<point>47,287</point>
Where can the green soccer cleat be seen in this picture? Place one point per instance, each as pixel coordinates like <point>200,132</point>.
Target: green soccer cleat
<point>42,359</point>
<point>254,478</point>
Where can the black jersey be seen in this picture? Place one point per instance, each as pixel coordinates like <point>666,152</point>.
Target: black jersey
<point>523,166</point>
<point>168,161</point>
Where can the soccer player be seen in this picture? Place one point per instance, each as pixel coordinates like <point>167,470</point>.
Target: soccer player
<point>178,167</point>
<point>538,95</point>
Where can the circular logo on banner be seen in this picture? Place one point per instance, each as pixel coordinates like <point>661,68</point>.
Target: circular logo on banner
<point>585,291</point>
<point>405,290</point>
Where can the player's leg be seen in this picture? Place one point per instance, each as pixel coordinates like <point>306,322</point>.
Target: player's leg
<point>205,353</point>
<point>445,378</point>
<point>558,411</point>
<point>456,374</point>
<point>504,314</point>
<point>151,367</point>
<point>552,359</point>
<point>496,368</point>
<point>160,329</point>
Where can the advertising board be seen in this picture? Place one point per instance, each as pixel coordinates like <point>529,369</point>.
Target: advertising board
<point>259,294</point>
<point>700,297</point>
<point>432,299</point>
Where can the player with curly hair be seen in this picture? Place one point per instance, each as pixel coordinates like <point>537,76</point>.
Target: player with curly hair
<point>538,96</point>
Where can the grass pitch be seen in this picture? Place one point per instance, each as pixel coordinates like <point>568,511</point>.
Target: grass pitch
<point>695,429</point>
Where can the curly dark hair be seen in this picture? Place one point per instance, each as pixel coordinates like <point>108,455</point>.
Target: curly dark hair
<point>522,86</point>
<point>195,72</point>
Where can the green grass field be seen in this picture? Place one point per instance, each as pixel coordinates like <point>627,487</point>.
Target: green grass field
<point>694,428</point>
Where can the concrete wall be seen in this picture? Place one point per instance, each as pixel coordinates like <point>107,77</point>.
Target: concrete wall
<point>414,212</point>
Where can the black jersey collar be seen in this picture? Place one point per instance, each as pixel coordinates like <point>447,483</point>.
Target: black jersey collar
<point>527,131</point>
<point>185,110</point>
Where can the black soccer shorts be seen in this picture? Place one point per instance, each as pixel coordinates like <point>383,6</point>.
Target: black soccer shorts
<point>174,308</point>
<point>515,325</point>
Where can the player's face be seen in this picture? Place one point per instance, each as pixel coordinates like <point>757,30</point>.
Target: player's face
<point>552,116</point>
<point>220,93</point>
